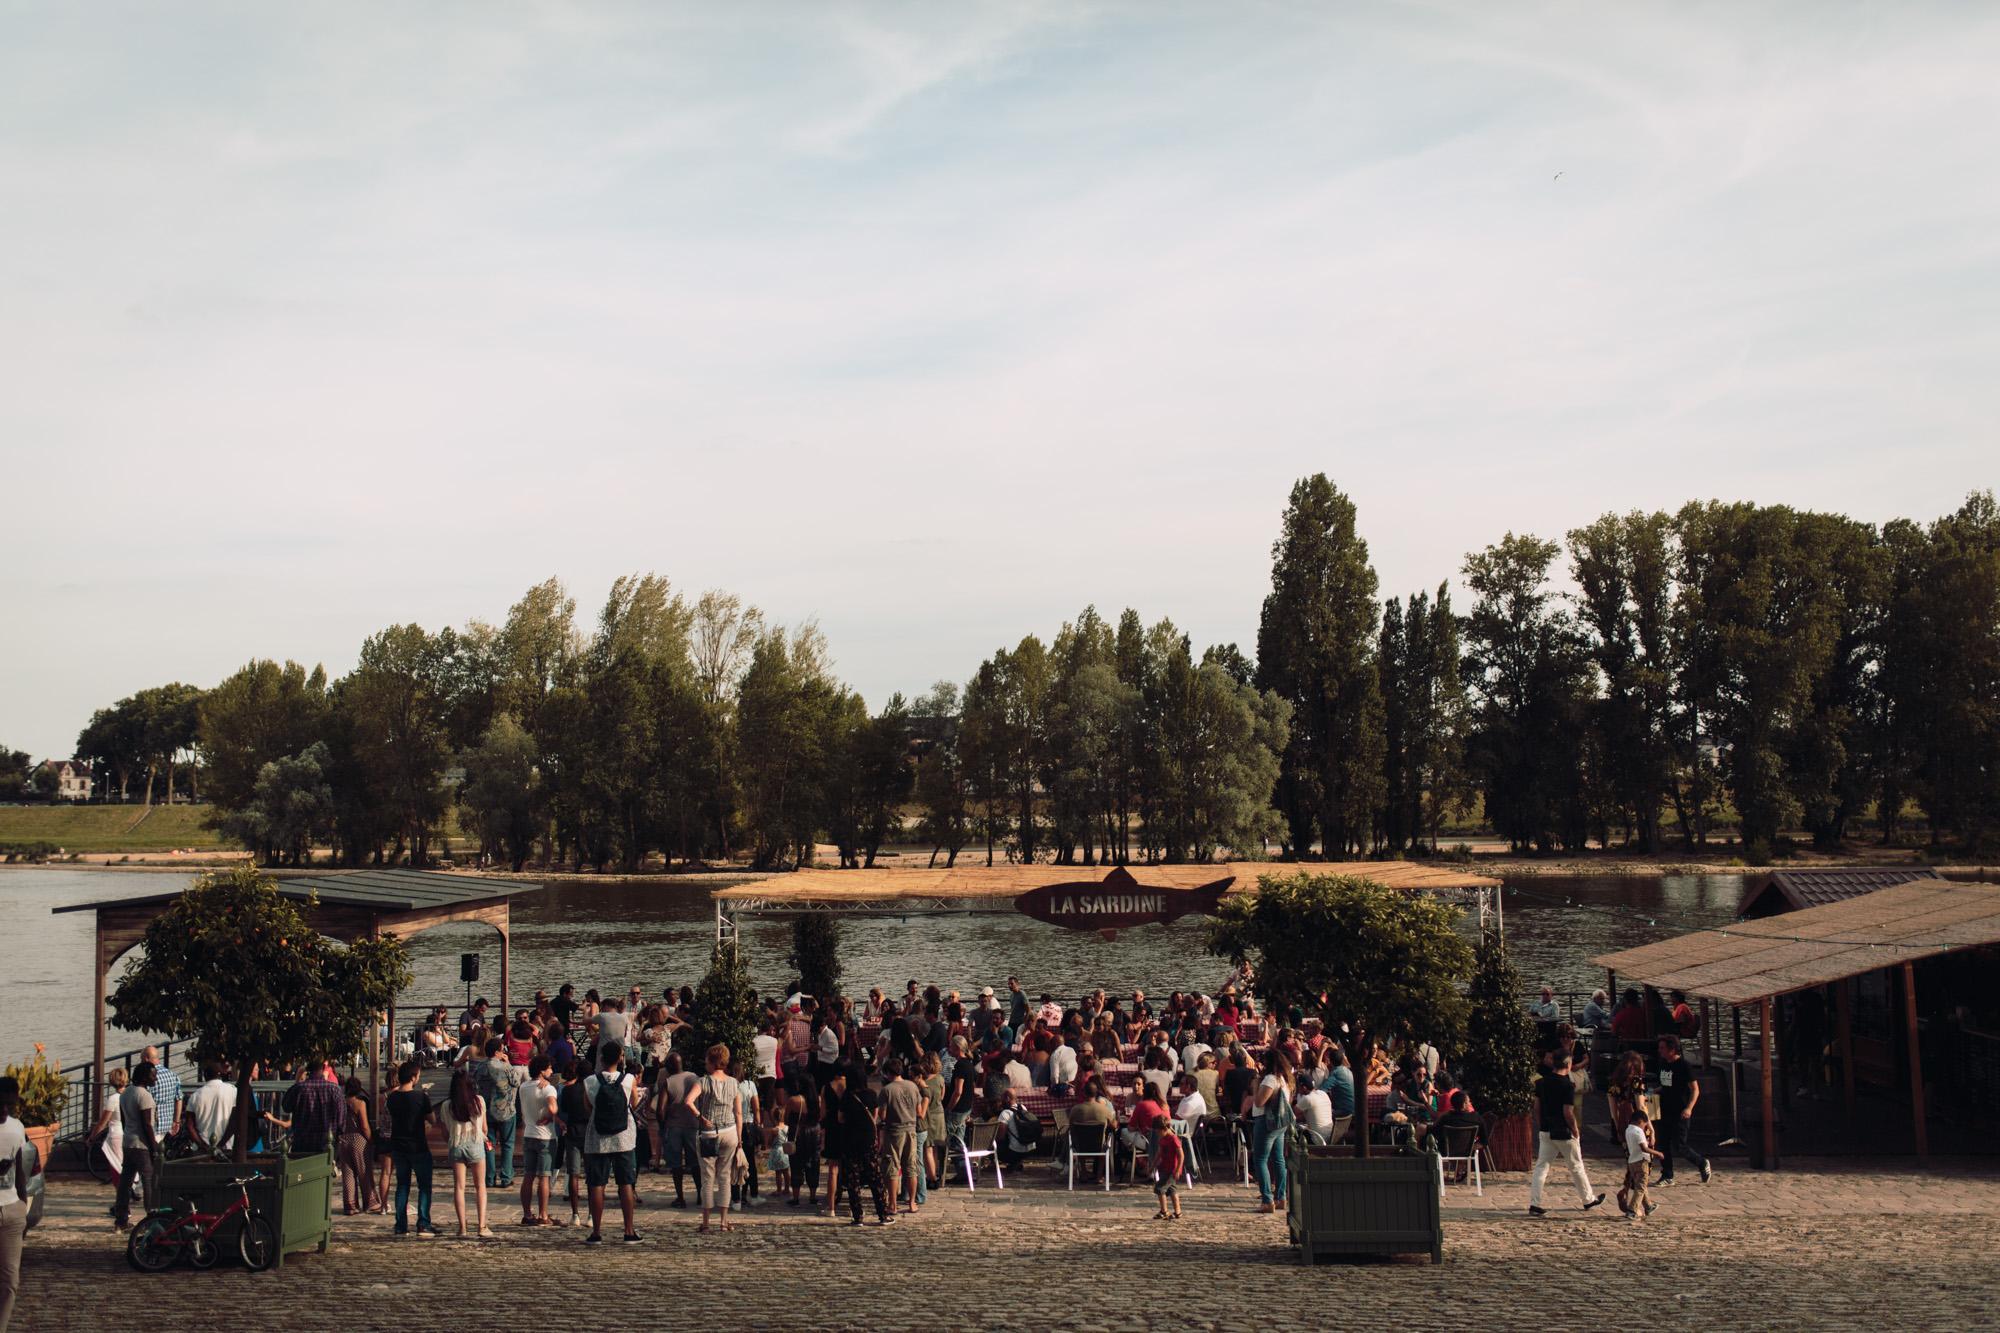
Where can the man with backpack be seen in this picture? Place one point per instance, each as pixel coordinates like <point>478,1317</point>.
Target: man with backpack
<point>611,1141</point>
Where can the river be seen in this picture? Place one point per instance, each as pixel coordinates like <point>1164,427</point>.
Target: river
<point>655,932</point>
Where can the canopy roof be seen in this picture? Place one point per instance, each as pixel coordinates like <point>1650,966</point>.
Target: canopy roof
<point>1791,890</point>
<point>968,888</point>
<point>381,890</point>
<point>1818,945</point>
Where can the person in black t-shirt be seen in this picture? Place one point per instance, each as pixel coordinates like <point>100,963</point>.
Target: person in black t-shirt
<point>1555,1100</point>
<point>409,1109</point>
<point>855,1140</point>
<point>1679,1094</point>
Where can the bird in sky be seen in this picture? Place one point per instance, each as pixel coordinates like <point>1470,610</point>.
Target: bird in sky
<point>1558,176</point>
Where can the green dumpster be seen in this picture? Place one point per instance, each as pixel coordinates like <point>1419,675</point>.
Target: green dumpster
<point>297,1195</point>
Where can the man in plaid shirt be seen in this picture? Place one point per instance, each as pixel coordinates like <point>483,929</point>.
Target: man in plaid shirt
<point>316,1105</point>
<point>166,1094</point>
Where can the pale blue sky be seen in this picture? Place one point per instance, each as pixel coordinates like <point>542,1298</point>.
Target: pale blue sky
<point>937,322</point>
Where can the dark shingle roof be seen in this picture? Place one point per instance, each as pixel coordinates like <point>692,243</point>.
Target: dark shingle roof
<point>1816,888</point>
<point>383,890</point>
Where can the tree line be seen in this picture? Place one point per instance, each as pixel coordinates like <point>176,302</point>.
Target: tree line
<point>1650,676</point>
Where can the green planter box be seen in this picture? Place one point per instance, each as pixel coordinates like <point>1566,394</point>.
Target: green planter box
<point>1343,1204</point>
<point>298,1197</point>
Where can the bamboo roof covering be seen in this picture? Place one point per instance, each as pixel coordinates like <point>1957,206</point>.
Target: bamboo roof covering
<point>1818,945</point>
<point>1003,883</point>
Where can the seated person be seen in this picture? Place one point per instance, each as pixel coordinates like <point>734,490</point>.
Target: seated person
<point>1315,1113</point>
<point>1146,1117</point>
<point>1062,1069</point>
<point>1460,1116</point>
<point>1628,1020</point>
<point>1022,1131</point>
<point>1192,1106</point>
<point>1597,1014</point>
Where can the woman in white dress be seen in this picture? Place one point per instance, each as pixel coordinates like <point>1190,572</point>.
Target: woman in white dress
<point>109,1125</point>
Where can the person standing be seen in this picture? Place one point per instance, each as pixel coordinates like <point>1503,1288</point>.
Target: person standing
<point>1555,1095</point>
<point>13,1197</point>
<point>357,1183</point>
<point>716,1102</point>
<point>211,1108</point>
<point>679,1127</point>
<point>465,1136</point>
<point>902,1112</point>
<point>166,1094</point>
<point>498,1081</point>
<point>139,1114</point>
<point>538,1164</point>
<point>1270,1117</point>
<point>1680,1093</point>
<point>855,1139</point>
<point>109,1131</point>
<point>316,1107</point>
<point>409,1109</point>
<point>611,1142</point>
<point>573,1119</point>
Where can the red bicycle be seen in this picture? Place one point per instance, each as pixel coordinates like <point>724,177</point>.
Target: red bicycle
<point>169,1235</point>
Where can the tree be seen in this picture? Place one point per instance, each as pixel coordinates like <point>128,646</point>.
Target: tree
<point>1214,760</point>
<point>261,713</point>
<point>238,969</point>
<point>943,791</point>
<point>1497,1065</point>
<point>1525,660</point>
<point>1623,568</point>
<point>816,953</point>
<point>504,799</point>
<point>400,698</point>
<point>17,771</point>
<point>114,742</point>
<point>290,809</point>
<point>1316,650</point>
<point>724,1010</point>
<point>783,709</point>
<point>1386,959</point>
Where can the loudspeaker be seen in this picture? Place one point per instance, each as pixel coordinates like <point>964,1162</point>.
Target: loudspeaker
<point>468,967</point>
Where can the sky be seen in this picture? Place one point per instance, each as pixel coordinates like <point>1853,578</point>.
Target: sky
<point>937,323</point>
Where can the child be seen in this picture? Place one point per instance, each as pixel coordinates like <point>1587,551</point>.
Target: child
<point>1169,1162</point>
<point>1639,1155</point>
<point>779,1159</point>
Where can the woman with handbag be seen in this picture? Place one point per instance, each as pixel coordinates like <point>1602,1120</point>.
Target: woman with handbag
<point>715,1101</point>
<point>357,1182</point>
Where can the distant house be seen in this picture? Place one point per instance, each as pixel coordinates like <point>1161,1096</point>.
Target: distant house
<point>64,779</point>
<point>1792,890</point>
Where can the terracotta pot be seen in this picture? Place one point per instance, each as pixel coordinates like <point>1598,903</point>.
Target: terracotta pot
<point>1512,1141</point>
<point>44,1139</point>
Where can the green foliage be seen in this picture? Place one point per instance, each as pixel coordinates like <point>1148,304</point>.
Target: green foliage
<point>503,799</point>
<point>238,969</point>
<point>724,1010</point>
<point>1424,718</point>
<point>1497,1065</point>
<point>44,1092</point>
<point>263,712</point>
<point>1390,960</point>
<point>816,953</point>
<point>17,771</point>
<point>1316,650</point>
<point>289,810</point>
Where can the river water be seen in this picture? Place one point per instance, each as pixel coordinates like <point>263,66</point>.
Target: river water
<point>657,932</point>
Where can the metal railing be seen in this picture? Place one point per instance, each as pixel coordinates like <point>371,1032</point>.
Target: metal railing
<point>75,1121</point>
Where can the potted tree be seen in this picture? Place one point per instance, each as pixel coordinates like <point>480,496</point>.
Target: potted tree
<point>240,970</point>
<point>44,1094</point>
<point>816,954</point>
<point>1387,961</point>
<point>1498,1066</point>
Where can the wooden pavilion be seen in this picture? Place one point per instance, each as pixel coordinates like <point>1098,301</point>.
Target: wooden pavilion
<point>346,906</point>
<point>1752,964</point>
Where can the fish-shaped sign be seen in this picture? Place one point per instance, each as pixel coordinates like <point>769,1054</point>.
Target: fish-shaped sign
<point>1117,901</point>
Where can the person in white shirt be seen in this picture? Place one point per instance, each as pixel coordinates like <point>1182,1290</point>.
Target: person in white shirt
<point>538,1141</point>
<point>766,1045</point>
<point>1019,1077</point>
<point>1633,1200</point>
<point>13,1195</point>
<point>1315,1112</point>
<point>1546,1011</point>
<point>608,1155</point>
<point>1192,1052</point>
<point>1062,1069</point>
<point>212,1106</point>
<point>1192,1106</point>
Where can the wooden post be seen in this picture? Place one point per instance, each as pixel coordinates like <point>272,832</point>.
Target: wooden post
<point>1361,1093</point>
<point>1704,1033</point>
<point>1843,1006</point>
<point>1916,1060</point>
<point>98,968</point>
<point>506,1014</point>
<point>1770,1135</point>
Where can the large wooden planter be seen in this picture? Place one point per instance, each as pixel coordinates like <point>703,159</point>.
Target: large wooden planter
<point>298,1197</point>
<point>1511,1139</point>
<point>1342,1204</point>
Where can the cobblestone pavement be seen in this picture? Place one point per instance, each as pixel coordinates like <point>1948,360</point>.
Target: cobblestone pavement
<point>1821,1245</point>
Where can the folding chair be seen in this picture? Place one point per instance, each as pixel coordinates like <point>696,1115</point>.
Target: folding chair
<point>1089,1141</point>
<point>978,1145</point>
<point>1341,1125</point>
<point>1459,1147</point>
<point>1182,1131</point>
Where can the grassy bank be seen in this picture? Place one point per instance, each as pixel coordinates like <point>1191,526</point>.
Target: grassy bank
<point>109,828</point>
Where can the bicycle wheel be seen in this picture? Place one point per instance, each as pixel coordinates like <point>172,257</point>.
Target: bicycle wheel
<point>154,1248</point>
<point>258,1242</point>
<point>95,1162</point>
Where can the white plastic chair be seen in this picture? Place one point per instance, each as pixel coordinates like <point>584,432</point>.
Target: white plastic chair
<point>1459,1146</point>
<point>1089,1142</point>
<point>976,1146</point>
